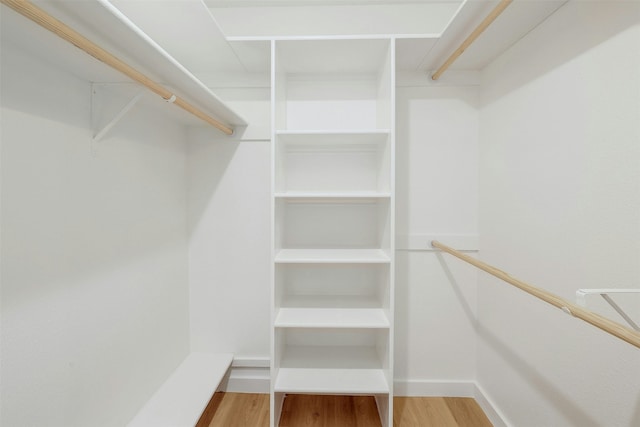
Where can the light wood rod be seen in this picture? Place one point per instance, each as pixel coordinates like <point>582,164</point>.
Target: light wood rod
<point>67,33</point>
<point>607,325</point>
<point>472,37</point>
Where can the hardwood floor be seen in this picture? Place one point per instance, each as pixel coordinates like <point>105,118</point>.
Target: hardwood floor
<point>438,411</point>
<point>236,410</point>
<point>301,410</point>
<point>252,410</point>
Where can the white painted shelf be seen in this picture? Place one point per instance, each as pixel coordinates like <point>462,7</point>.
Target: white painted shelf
<point>181,400</point>
<point>329,256</point>
<point>331,381</point>
<point>331,318</point>
<point>332,195</point>
<point>327,55</point>
<point>335,301</point>
<point>105,25</point>
<point>333,223</point>
<point>353,136</point>
<point>342,163</point>
<point>331,356</point>
<point>331,369</point>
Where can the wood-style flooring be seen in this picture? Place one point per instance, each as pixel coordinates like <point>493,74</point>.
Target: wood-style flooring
<point>252,410</point>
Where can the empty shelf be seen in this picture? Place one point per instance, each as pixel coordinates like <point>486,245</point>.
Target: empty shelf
<point>332,195</point>
<point>331,318</point>
<point>330,357</point>
<point>103,24</point>
<point>330,301</point>
<point>333,381</point>
<point>324,136</point>
<point>181,400</point>
<point>355,256</point>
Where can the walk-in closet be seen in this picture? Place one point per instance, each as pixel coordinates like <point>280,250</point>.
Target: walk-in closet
<point>264,213</point>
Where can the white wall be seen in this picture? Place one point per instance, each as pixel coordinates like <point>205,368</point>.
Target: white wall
<point>94,266</point>
<point>437,195</point>
<point>560,207</point>
<point>229,205</point>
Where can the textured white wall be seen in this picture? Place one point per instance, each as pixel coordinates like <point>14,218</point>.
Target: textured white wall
<point>437,194</point>
<point>560,207</point>
<point>229,205</point>
<point>94,267</point>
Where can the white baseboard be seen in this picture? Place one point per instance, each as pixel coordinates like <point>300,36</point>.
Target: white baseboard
<point>428,388</point>
<point>490,409</point>
<point>248,377</point>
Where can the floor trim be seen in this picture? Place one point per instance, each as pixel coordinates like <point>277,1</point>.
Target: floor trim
<point>429,388</point>
<point>496,416</point>
<point>246,379</point>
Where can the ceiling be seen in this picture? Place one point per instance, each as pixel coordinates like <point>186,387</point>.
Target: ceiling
<point>214,37</point>
<point>344,18</point>
<point>430,29</point>
<point>253,3</point>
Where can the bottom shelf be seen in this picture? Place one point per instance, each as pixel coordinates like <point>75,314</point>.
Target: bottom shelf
<point>331,357</point>
<point>331,381</point>
<point>331,370</point>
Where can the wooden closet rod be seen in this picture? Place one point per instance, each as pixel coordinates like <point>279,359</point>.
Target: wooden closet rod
<point>472,37</point>
<point>616,329</point>
<point>62,30</point>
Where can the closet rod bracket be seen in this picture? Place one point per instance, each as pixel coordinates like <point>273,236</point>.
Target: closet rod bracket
<point>606,294</point>
<point>100,134</point>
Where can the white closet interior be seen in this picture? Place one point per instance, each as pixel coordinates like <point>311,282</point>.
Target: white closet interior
<point>163,259</point>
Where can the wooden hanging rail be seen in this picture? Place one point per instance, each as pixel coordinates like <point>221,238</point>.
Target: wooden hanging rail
<point>614,328</point>
<point>62,30</point>
<point>472,37</point>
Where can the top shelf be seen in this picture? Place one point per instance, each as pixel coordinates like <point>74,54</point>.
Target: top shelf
<point>329,195</point>
<point>346,56</point>
<point>103,24</point>
<point>344,84</point>
<point>332,256</point>
<point>352,136</point>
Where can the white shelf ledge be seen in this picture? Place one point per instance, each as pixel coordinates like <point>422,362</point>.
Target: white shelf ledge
<point>331,381</point>
<point>332,256</point>
<point>330,132</point>
<point>331,369</point>
<point>333,301</point>
<point>331,318</point>
<point>362,136</point>
<point>103,24</point>
<point>332,195</point>
<point>181,400</point>
<point>330,357</point>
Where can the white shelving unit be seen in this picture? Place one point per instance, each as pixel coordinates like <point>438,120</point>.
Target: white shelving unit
<point>333,210</point>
